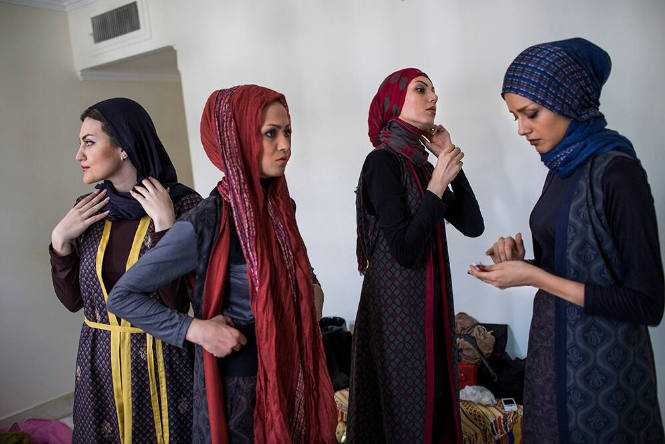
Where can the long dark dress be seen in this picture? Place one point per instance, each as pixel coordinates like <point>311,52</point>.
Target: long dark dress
<point>404,375</point>
<point>156,406</point>
<point>590,373</point>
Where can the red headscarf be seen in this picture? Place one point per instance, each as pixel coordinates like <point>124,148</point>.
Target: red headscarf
<point>294,395</point>
<point>388,101</point>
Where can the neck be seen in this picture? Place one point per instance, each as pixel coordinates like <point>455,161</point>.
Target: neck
<point>125,179</point>
<point>411,127</point>
<point>415,126</point>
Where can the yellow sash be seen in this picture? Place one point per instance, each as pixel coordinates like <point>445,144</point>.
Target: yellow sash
<point>121,365</point>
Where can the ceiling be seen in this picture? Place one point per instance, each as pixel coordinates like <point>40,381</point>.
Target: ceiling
<point>57,5</point>
<point>160,65</point>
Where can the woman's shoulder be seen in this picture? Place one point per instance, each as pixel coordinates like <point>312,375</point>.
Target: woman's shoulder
<point>381,153</point>
<point>186,203</point>
<point>381,159</point>
<point>618,169</point>
<point>204,210</point>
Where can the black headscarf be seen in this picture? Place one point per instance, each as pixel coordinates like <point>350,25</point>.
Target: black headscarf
<point>132,127</point>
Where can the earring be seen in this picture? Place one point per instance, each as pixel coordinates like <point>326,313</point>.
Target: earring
<point>123,156</point>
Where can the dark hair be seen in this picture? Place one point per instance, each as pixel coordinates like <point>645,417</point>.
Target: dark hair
<point>94,114</point>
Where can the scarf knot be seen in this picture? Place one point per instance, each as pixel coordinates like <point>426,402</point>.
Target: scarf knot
<point>582,141</point>
<point>404,139</point>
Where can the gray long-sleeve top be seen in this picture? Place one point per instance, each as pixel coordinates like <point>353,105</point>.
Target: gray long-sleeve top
<point>174,256</point>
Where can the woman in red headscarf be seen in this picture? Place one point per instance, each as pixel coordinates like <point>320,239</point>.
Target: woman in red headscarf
<point>252,286</point>
<point>404,366</point>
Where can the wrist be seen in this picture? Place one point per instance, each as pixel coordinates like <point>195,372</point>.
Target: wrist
<point>62,247</point>
<point>193,334</point>
<point>163,224</point>
<point>535,277</point>
<point>436,189</point>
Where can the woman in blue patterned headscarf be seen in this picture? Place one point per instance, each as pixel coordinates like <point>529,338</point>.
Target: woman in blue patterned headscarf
<point>590,373</point>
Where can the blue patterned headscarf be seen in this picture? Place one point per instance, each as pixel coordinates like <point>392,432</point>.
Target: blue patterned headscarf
<point>566,77</point>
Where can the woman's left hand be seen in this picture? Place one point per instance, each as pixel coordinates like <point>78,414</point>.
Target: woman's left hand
<point>439,140</point>
<point>156,202</point>
<point>506,274</point>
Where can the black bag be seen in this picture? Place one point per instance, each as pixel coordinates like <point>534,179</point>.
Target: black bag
<point>509,382</point>
<point>337,345</point>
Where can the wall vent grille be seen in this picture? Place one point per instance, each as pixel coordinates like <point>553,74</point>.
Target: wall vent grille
<point>116,22</point>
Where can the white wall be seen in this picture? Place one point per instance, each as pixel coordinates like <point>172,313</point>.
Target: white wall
<point>40,102</point>
<point>329,58</point>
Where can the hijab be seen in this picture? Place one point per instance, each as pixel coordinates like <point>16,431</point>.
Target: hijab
<point>567,77</point>
<point>294,396</point>
<point>385,127</point>
<point>132,127</point>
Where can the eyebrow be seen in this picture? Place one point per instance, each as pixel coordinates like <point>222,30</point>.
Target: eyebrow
<point>524,107</point>
<point>275,125</point>
<point>85,135</point>
<point>420,81</point>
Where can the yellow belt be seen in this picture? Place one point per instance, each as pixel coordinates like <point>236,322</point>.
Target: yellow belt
<point>121,366</point>
<point>107,327</point>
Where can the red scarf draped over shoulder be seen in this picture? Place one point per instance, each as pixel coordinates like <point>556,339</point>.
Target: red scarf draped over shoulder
<point>294,395</point>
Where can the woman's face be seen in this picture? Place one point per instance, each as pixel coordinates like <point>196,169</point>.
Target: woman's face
<point>419,107</point>
<point>544,129</point>
<point>275,140</point>
<point>99,159</point>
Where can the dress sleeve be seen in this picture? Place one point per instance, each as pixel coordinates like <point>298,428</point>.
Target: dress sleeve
<point>173,257</point>
<point>175,293</point>
<point>463,209</point>
<point>65,276</point>
<point>406,233</point>
<point>630,212</point>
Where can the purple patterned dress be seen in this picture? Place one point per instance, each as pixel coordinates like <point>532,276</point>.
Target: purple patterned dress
<point>404,374</point>
<point>130,387</point>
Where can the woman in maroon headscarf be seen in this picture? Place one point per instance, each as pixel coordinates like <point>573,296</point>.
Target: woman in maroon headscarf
<point>252,290</point>
<point>404,367</point>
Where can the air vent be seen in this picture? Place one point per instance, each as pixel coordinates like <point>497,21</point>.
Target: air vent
<point>116,22</point>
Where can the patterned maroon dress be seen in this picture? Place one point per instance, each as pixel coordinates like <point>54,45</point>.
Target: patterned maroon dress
<point>404,369</point>
<point>131,387</point>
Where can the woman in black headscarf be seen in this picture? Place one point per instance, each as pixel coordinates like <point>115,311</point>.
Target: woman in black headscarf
<point>590,373</point>
<point>129,386</point>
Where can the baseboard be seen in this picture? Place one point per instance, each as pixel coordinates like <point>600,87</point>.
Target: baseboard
<point>55,408</point>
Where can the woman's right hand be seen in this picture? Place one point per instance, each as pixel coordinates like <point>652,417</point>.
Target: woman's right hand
<point>216,335</point>
<point>77,220</point>
<point>507,249</point>
<point>448,165</point>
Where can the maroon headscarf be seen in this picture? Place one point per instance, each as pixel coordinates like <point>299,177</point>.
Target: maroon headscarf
<point>385,128</point>
<point>388,101</point>
<point>294,395</point>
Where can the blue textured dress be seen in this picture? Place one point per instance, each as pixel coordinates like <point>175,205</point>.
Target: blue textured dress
<point>590,375</point>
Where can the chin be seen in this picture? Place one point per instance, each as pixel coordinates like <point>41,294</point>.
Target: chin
<point>544,150</point>
<point>272,174</point>
<point>88,180</point>
<point>426,125</point>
